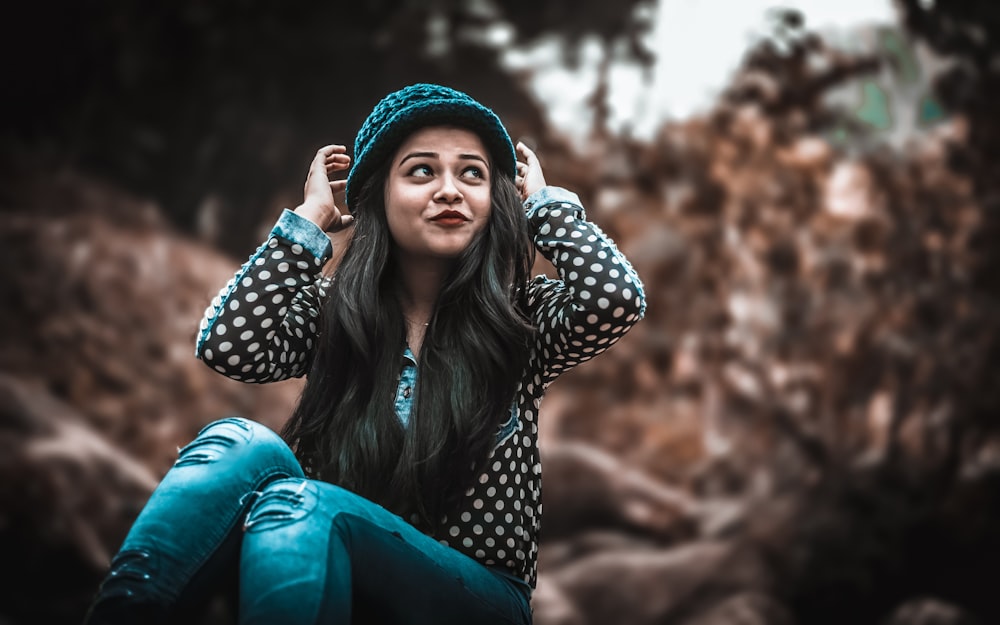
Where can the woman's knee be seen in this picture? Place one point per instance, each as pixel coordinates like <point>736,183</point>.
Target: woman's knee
<point>286,502</point>
<point>238,439</point>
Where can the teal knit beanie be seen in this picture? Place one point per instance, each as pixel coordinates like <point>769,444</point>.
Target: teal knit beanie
<point>417,106</point>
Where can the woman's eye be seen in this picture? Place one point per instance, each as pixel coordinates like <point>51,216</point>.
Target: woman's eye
<point>474,172</point>
<point>421,171</point>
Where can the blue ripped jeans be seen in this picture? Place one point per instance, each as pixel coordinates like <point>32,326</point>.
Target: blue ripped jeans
<point>306,551</point>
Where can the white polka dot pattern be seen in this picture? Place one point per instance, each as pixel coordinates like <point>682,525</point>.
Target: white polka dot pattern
<point>260,328</point>
<point>261,325</point>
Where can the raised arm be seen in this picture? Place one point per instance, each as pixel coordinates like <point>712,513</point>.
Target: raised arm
<point>261,326</point>
<point>598,296</point>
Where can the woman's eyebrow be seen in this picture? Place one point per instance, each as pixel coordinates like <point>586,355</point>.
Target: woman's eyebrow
<point>473,157</point>
<point>418,155</point>
<point>465,157</point>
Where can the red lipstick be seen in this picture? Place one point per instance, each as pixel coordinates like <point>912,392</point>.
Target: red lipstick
<point>449,218</point>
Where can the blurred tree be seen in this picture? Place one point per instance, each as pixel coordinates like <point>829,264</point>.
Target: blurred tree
<point>789,74</point>
<point>968,32</point>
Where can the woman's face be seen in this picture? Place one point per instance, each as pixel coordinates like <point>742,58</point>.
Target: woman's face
<point>437,194</point>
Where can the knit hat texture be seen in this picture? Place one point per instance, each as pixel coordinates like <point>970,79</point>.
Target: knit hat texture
<point>404,111</point>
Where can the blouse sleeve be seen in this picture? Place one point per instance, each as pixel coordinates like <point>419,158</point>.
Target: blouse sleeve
<point>598,296</point>
<point>261,326</point>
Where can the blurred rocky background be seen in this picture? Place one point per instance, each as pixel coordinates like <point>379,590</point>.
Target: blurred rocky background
<point>802,431</point>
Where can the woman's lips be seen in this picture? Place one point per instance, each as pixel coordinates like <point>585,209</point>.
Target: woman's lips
<point>449,219</point>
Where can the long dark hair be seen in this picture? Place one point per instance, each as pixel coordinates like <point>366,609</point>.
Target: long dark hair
<point>345,429</point>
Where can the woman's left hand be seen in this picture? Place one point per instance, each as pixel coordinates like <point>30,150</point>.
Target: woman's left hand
<point>529,176</point>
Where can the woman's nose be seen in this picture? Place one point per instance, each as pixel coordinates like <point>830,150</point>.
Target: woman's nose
<point>448,191</point>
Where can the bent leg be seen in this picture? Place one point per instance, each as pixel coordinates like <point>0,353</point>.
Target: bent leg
<point>314,552</point>
<point>189,532</point>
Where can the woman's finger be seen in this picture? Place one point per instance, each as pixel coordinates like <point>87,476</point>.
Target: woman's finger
<point>330,153</point>
<point>527,154</point>
<point>318,165</point>
<point>532,178</point>
<point>338,185</point>
<point>342,222</point>
<point>340,162</point>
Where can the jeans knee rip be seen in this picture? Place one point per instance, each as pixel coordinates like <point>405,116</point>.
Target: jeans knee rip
<point>281,504</point>
<point>130,572</point>
<point>214,441</point>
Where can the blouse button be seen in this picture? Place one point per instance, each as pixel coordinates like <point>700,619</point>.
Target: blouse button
<point>406,392</point>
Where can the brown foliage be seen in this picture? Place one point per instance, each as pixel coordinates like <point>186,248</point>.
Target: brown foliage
<point>100,386</point>
<point>820,347</point>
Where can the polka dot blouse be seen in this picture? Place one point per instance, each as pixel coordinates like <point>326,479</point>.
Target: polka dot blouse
<point>261,328</point>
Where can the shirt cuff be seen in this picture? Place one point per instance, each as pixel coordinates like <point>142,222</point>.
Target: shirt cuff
<point>298,229</point>
<point>550,195</point>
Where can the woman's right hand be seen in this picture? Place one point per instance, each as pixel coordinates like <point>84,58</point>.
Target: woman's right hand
<point>318,205</point>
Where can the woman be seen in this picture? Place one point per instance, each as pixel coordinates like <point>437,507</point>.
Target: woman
<point>412,494</point>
